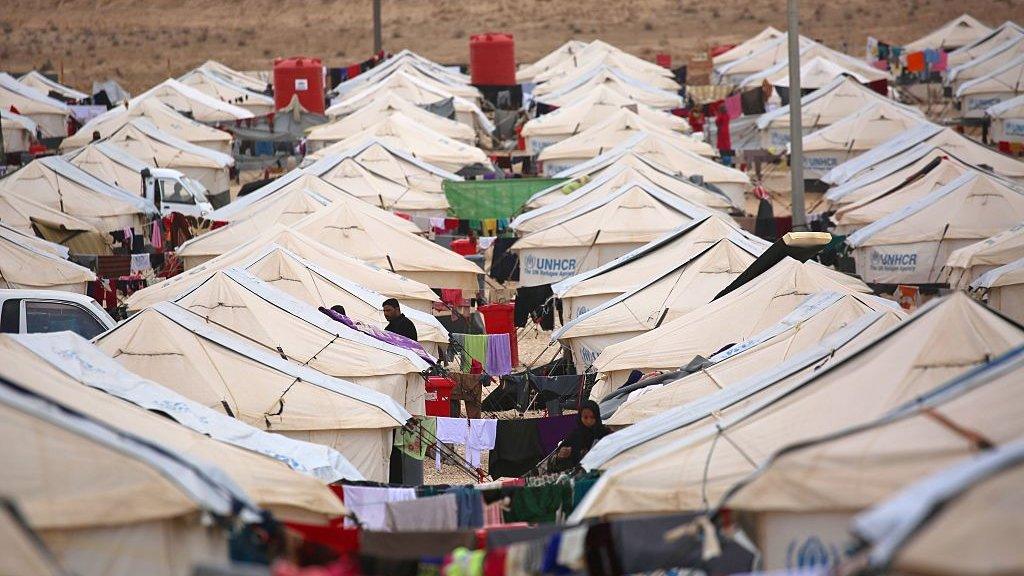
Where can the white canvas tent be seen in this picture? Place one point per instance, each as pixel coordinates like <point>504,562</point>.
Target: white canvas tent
<point>248,81</point>
<point>600,231</point>
<point>33,219</point>
<point>121,504</point>
<point>353,230</point>
<point>985,63</point>
<point>33,241</point>
<point>575,88</point>
<point>668,154</point>
<point>910,246</point>
<point>841,97</point>
<point>960,520</point>
<point>227,91</point>
<point>819,65</point>
<point>25,554</point>
<point>50,116</point>
<point>411,294</point>
<point>317,286</point>
<point>350,175</point>
<point>732,318</point>
<point>1007,120</point>
<point>423,182</point>
<point>600,138</point>
<point>767,55</point>
<point>809,490</point>
<point>813,321</point>
<point>748,46</point>
<point>18,131</point>
<point>188,100</point>
<point>84,362</point>
<point>852,135</point>
<point>895,153</point>
<point>111,165</point>
<point>688,465</point>
<point>958,32</point>
<point>62,186</point>
<point>1001,84</point>
<point>421,142</point>
<point>598,53</point>
<point>965,265</point>
<point>698,276</point>
<point>286,200</point>
<point>377,110</point>
<point>162,116</point>
<point>416,66</point>
<point>876,205</point>
<point>985,44</point>
<point>175,348</point>
<point>26,263</point>
<point>607,182</point>
<point>142,139</point>
<point>590,111</point>
<point>54,370</point>
<point>586,291</point>
<point>1003,288</point>
<point>42,83</point>
<point>569,49</point>
<point>239,303</point>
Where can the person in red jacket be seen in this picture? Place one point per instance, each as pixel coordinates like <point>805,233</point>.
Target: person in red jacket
<point>723,140</point>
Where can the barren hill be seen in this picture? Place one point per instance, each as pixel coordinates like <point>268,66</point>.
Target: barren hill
<point>143,42</point>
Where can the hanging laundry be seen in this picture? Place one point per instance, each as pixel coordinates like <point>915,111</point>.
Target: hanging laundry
<point>915,62</point>
<point>499,355</point>
<point>413,440</point>
<point>481,437</point>
<point>437,225</point>
<point>157,237</point>
<point>369,504</point>
<point>469,389</point>
<point>470,504</point>
<point>140,262</point>
<point>490,227</point>
<point>450,431</point>
<point>734,106</point>
<point>423,514</point>
<point>516,450</point>
<point>475,349</point>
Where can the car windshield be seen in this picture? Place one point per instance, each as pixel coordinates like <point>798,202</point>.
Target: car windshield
<point>197,189</point>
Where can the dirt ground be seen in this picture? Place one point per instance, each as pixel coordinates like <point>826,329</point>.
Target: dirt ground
<point>142,43</point>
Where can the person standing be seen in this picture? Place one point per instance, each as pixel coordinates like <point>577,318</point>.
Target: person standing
<point>724,141</point>
<point>398,323</point>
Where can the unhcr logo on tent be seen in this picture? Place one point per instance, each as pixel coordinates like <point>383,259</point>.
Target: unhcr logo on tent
<point>549,267</point>
<point>899,262</point>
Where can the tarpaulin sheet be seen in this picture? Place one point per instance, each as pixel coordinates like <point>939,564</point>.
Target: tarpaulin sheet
<point>480,199</point>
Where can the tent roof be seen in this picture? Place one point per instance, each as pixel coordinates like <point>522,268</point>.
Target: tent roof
<point>619,125</point>
<point>748,46</point>
<point>346,266</point>
<point>594,109</point>
<point>610,180</point>
<point>352,176</point>
<point>815,320</point>
<point>567,50</point>
<point>997,250</point>
<point>866,128</point>
<point>415,64</point>
<point>1008,274</point>
<point>143,139</point>
<point>411,85</point>
<point>769,54</point>
<point>576,87</point>
<point>1007,78</point>
<point>226,90</point>
<point>819,66</point>
<point>986,63</point>
<point>357,231</point>
<point>632,269</point>
<point>972,206</point>
<point>32,241</point>
<point>418,140</point>
<point>729,319</point>
<point>637,211</point>
<point>688,469</point>
<point>958,32</point>
<point>162,116</point>
<point>861,466</point>
<point>24,263</point>
<point>108,476</point>
<point>22,122</point>
<point>599,54</point>
<point>309,282</point>
<point>60,185</point>
<point>1002,33</point>
<point>241,78</point>
<point>694,281</point>
<point>26,99</point>
<point>200,106</point>
<point>73,375</point>
<point>110,164</point>
<point>839,98</point>
<point>19,213</point>
<point>378,110</point>
<point>956,521</point>
<point>40,82</point>
<point>170,345</point>
<point>25,553</point>
<point>1012,108</point>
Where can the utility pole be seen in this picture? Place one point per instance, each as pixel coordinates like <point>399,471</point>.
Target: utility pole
<point>378,41</point>
<point>796,143</point>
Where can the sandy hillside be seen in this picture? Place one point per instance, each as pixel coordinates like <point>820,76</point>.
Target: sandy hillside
<point>143,42</point>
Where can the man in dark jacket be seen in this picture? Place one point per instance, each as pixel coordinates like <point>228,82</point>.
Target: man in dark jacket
<point>397,322</point>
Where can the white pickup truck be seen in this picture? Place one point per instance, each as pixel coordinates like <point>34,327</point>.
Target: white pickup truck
<point>172,191</point>
<point>33,311</point>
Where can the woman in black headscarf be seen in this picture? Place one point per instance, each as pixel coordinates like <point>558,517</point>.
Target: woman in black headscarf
<point>589,430</point>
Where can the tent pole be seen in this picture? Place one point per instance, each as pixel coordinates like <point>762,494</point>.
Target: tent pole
<point>378,42</point>
<point>796,154</point>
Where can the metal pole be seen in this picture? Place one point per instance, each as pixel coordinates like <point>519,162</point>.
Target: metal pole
<point>796,144</point>
<point>378,42</point>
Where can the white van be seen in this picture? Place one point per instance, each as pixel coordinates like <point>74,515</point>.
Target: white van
<point>172,191</point>
<point>34,311</point>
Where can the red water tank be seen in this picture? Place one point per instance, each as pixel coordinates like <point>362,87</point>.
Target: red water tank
<point>500,319</point>
<point>438,401</point>
<point>464,246</point>
<point>492,59</point>
<point>299,76</point>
